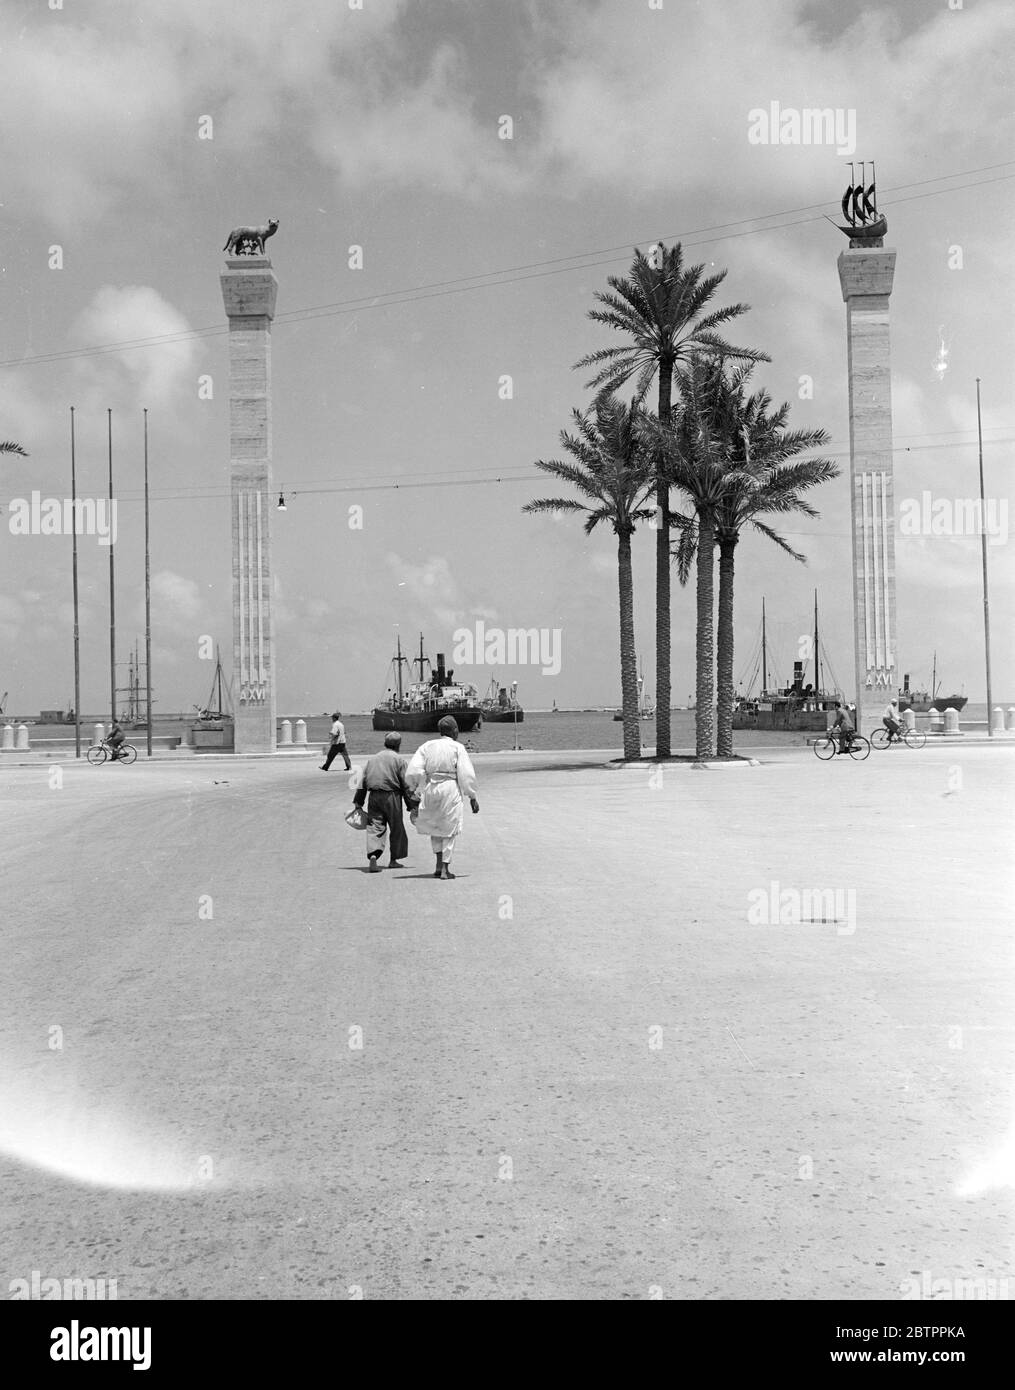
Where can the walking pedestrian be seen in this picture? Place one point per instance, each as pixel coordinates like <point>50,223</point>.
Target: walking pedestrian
<point>384,781</point>
<point>337,744</point>
<point>445,768</point>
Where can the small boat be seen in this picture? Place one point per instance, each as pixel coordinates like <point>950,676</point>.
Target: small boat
<point>920,701</point>
<point>217,707</point>
<point>500,705</point>
<point>421,707</point>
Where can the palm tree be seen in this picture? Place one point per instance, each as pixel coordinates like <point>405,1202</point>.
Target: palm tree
<point>612,470</point>
<point>699,464</point>
<point>7,446</point>
<point>660,306</point>
<point>761,480</point>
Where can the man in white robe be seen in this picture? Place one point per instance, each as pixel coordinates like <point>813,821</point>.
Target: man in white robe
<point>446,770</point>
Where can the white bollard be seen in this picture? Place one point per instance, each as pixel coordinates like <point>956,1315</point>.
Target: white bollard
<point>998,724</point>
<point>301,732</point>
<point>908,719</point>
<point>98,734</point>
<point>22,745</point>
<point>285,736</point>
<point>937,721</point>
<point>951,722</point>
<point>8,739</point>
<point>1011,719</point>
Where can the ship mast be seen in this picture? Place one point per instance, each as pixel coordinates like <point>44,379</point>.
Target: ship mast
<point>817,656</point>
<point>421,659</point>
<point>933,681</point>
<point>764,653</point>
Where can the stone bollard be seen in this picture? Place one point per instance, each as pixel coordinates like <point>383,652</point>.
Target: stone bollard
<point>22,745</point>
<point>285,736</point>
<point>98,734</point>
<point>301,733</point>
<point>908,718</point>
<point>8,740</point>
<point>998,722</point>
<point>952,722</point>
<point>1011,719</point>
<point>937,721</point>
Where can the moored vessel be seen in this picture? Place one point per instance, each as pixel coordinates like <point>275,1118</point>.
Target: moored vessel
<point>500,705</point>
<point>920,701</point>
<point>420,707</point>
<point>798,707</point>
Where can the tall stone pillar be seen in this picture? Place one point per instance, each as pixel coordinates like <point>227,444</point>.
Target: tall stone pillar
<point>866,275</point>
<point>249,288</point>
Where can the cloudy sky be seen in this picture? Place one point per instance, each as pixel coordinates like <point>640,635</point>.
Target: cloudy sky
<point>381,127</point>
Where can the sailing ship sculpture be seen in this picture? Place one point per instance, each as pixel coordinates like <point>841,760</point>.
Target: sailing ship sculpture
<point>866,226</point>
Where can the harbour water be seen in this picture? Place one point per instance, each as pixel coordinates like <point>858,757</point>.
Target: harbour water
<point>539,730</point>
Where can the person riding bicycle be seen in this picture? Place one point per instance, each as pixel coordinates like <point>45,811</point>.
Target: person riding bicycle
<point>842,728</point>
<point>890,719</point>
<point>116,737</point>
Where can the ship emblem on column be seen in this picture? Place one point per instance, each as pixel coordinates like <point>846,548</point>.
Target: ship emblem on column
<point>866,274</point>
<point>249,289</point>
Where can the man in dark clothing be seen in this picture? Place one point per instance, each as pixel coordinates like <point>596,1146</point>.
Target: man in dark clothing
<point>842,728</point>
<point>338,744</point>
<point>116,737</point>
<point>384,780</point>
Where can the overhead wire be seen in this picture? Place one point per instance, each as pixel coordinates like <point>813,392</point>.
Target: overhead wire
<point>541,269</point>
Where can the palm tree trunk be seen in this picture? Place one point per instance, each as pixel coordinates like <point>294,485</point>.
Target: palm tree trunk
<point>663,563</point>
<point>704,714</point>
<point>628,661</point>
<point>724,649</point>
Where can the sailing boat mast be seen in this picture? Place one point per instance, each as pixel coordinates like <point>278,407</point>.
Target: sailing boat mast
<point>764,652</point>
<point>817,656</point>
<point>933,681</point>
<point>398,666</point>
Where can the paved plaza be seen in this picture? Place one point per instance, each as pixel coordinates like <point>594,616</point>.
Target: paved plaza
<point>697,1033</point>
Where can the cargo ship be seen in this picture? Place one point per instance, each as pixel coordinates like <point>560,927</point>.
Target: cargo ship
<point>500,705</point>
<point>419,707</point>
<point>795,708</point>
<point>920,701</point>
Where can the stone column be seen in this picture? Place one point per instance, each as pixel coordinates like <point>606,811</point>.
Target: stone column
<point>866,275</point>
<point>249,288</point>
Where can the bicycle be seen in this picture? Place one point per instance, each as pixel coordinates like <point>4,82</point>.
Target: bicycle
<point>99,752</point>
<point>884,738</point>
<point>857,747</point>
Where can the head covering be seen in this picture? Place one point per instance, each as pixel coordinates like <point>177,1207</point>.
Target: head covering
<point>448,726</point>
<point>337,714</point>
<point>392,740</point>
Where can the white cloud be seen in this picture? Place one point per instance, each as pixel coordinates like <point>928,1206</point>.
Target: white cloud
<point>130,313</point>
<point>176,603</point>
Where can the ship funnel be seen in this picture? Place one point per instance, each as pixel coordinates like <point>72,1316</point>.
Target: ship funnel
<point>441,675</point>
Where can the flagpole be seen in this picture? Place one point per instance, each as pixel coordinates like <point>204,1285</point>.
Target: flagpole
<point>112,596</point>
<point>983,551</point>
<point>74,566</point>
<point>147,594</point>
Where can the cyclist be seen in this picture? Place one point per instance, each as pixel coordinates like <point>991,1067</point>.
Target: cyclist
<point>890,719</point>
<point>116,737</point>
<point>842,728</point>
